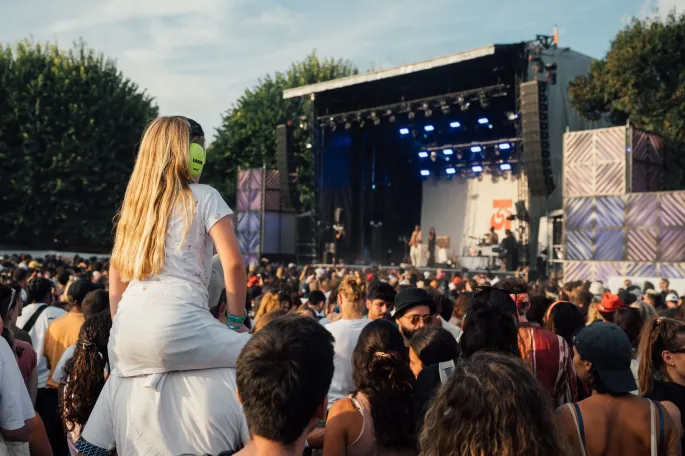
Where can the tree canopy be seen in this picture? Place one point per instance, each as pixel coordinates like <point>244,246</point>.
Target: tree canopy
<point>641,80</point>
<point>247,136</point>
<point>69,127</point>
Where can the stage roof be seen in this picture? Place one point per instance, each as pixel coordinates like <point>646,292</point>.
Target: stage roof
<point>392,72</point>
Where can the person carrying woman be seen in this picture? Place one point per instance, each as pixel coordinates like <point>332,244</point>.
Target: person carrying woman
<point>167,229</point>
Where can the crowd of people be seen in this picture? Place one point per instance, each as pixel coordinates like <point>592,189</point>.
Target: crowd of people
<point>165,347</point>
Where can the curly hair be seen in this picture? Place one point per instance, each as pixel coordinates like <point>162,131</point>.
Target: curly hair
<point>471,416</point>
<point>380,363</point>
<point>85,372</point>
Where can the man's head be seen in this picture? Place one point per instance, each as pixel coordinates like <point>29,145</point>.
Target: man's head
<point>95,302</point>
<point>317,300</point>
<point>380,299</point>
<point>78,291</point>
<point>508,232</point>
<point>21,276</point>
<point>492,229</point>
<point>663,284</point>
<point>416,228</point>
<point>283,376</point>
<point>672,300</point>
<point>414,309</point>
<point>39,290</point>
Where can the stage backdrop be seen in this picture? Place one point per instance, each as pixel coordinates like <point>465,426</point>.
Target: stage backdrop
<point>464,209</point>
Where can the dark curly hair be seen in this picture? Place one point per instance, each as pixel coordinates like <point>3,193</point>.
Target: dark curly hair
<point>85,372</point>
<point>380,363</point>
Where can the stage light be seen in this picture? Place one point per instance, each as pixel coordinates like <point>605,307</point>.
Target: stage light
<point>376,121</point>
<point>459,156</point>
<point>512,116</point>
<point>484,102</point>
<point>476,149</point>
<point>483,120</point>
<point>465,107</point>
<point>445,108</point>
<point>505,167</point>
<point>455,124</point>
<point>404,131</point>
<point>423,154</point>
<point>477,168</point>
<point>348,125</point>
<point>450,171</point>
<point>391,119</point>
<point>411,115</point>
<point>429,128</point>
<point>427,110</point>
<point>448,151</point>
<point>309,146</point>
<point>362,123</point>
<point>504,146</point>
<point>425,173</point>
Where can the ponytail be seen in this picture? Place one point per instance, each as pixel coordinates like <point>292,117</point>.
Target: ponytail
<point>658,335</point>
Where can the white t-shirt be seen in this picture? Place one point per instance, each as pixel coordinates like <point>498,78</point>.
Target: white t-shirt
<point>15,403</point>
<point>194,412</point>
<point>58,375</point>
<point>453,329</point>
<point>37,333</point>
<point>346,334</point>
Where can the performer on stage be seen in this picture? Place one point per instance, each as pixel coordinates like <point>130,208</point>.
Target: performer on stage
<point>415,246</point>
<point>511,250</point>
<point>339,241</point>
<point>431,247</point>
<point>491,238</point>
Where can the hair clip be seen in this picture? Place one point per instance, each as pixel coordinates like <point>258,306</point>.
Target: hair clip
<point>659,320</point>
<point>380,355</point>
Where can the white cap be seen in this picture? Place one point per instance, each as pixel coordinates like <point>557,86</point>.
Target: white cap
<point>671,297</point>
<point>216,282</point>
<point>597,289</point>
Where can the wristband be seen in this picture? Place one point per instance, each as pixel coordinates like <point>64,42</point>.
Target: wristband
<point>236,320</point>
<point>233,327</point>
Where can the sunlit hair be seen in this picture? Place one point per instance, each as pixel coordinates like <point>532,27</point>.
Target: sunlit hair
<point>592,314</point>
<point>350,289</point>
<point>268,318</point>
<point>658,335</point>
<point>470,415</point>
<point>269,303</point>
<point>159,183</point>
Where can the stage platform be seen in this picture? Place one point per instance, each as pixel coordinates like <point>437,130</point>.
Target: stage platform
<point>448,270</point>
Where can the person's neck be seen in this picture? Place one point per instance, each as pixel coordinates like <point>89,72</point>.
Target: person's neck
<point>258,446</point>
<point>673,377</point>
<point>523,319</point>
<point>350,312</point>
<point>75,310</point>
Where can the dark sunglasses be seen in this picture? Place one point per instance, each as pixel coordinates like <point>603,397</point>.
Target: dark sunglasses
<point>415,319</point>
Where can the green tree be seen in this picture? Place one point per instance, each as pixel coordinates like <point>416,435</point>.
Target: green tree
<point>70,123</point>
<point>641,80</point>
<point>247,136</point>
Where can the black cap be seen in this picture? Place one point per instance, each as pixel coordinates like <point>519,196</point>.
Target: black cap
<point>412,297</point>
<point>608,348</point>
<point>79,289</point>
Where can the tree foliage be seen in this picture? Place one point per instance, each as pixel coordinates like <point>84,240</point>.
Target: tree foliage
<point>247,136</point>
<point>69,127</point>
<point>641,80</point>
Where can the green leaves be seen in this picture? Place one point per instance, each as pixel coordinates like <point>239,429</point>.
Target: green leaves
<point>69,127</point>
<point>247,136</point>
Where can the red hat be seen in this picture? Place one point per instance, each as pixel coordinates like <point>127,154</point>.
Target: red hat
<point>610,302</point>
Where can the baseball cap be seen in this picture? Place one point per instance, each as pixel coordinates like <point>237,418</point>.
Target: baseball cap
<point>671,298</point>
<point>410,298</point>
<point>609,303</point>
<point>216,282</point>
<point>79,289</point>
<point>35,265</point>
<point>608,348</point>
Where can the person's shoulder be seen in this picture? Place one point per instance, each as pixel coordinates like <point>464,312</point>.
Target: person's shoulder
<point>5,351</point>
<point>203,190</point>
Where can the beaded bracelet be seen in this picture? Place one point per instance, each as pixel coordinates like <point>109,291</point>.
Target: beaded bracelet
<point>233,327</point>
<point>236,320</point>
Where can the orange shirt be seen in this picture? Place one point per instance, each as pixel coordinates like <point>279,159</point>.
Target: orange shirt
<point>62,333</point>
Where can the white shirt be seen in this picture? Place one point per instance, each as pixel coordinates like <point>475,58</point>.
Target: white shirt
<point>454,330</point>
<point>15,403</point>
<point>58,375</point>
<point>194,412</point>
<point>346,334</point>
<point>37,333</point>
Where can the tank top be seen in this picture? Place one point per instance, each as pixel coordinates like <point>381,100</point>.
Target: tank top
<point>366,444</point>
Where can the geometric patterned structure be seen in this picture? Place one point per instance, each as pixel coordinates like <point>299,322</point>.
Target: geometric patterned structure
<point>609,230</point>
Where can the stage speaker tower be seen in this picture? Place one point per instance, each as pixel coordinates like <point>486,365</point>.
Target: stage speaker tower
<point>286,167</point>
<point>535,129</point>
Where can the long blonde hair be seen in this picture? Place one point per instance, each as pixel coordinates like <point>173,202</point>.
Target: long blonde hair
<point>160,180</point>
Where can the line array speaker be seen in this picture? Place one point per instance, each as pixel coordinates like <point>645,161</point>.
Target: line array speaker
<point>535,129</point>
<point>287,170</point>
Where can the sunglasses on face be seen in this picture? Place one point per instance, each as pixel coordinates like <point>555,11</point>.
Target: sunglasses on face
<point>415,319</point>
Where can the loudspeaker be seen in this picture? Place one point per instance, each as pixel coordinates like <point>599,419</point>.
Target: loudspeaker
<point>535,129</point>
<point>521,212</point>
<point>286,167</point>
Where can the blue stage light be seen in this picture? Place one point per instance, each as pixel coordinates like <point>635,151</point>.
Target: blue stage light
<point>448,151</point>
<point>505,167</point>
<point>450,171</point>
<point>455,124</point>
<point>423,154</point>
<point>425,172</point>
<point>429,128</point>
<point>404,131</point>
<point>504,146</point>
<point>476,149</point>
<point>477,168</point>
<point>483,120</point>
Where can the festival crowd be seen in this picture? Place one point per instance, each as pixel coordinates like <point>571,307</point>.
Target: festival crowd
<point>167,347</point>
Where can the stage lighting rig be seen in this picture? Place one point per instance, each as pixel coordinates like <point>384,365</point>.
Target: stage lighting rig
<point>455,124</point>
<point>427,111</point>
<point>404,131</point>
<point>483,99</point>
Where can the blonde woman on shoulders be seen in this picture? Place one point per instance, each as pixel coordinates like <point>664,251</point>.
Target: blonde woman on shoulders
<point>167,229</point>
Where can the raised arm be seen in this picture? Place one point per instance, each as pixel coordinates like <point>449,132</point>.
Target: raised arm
<point>223,235</point>
<point>116,289</point>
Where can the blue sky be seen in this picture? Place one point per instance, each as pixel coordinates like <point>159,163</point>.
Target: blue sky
<point>197,56</point>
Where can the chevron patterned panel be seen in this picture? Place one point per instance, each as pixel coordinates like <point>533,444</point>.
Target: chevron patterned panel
<point>609,211</point>
<point>672,245</point>
<point>641,210</point>
<point>641,245</point>
<point>254,181</point>
<point>604,270</point>
<point>608,245</point>
<point>672,209</point>
<point>610,179</point>
<point>578,147</point>
<point>640,270</point>
<point>647,147</point>
<point>243,177</point>
<point>656,178</point>
<point>577,271</point>
<point>580,213</point>
<point>671,270</point>
<point>272,200</point>
<point>579,180</point>
<point>640,178</point>
<point>255,199</point>
<point>610,145</point>
<point>579,244</point>
<point>272,180</point>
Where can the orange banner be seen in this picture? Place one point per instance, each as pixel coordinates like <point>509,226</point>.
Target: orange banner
<point>501,211</point>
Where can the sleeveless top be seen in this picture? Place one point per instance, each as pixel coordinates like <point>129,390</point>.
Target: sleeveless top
<point>366,444</point>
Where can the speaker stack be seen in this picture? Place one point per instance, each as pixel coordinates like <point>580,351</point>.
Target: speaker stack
<point>535,130</point>
<point>287,170</point>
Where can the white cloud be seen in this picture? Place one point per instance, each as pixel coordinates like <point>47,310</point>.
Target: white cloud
<point>666,6</point>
